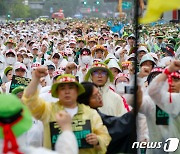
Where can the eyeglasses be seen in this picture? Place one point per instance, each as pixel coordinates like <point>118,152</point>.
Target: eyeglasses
<point>102,73</point>
<point>97,97</point>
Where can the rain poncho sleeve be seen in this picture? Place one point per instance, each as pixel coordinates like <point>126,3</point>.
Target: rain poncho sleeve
<point>35,134</point>
<point>38,107</point>
<point>160,95</point>
<point>147,106</point>
<point>67,144</point>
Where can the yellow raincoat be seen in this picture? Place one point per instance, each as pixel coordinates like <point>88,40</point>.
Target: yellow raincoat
<point>46,112</point>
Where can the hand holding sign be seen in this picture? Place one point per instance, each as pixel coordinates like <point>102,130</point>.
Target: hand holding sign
<point>92,139</point>
<point>64,120</point>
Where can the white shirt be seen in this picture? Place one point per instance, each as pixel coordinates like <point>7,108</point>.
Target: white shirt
<point>72,112</point>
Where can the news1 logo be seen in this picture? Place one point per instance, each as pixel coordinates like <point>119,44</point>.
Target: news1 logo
<point>170,145</point>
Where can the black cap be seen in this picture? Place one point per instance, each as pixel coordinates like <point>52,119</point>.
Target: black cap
<point>51,67</point>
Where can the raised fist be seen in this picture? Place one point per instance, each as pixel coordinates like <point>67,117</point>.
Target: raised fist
<point>64,120</point>
<point>40,72</point>
<point>174,66</point>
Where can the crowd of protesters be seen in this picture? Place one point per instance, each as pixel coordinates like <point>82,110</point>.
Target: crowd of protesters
<point>84,68</point>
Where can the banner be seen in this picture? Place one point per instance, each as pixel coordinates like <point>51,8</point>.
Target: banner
<point>18,81</point>
<point>81,128</point>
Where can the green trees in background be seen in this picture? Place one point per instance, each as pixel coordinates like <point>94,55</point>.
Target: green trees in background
<point>14,9</point>
<point>3,7</point>
<point>19,10</point>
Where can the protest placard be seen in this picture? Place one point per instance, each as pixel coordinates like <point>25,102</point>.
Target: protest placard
<point>80,128</point>
<point>18,81</point>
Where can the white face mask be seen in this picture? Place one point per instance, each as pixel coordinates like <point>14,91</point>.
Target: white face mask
<point>1,66</point>
<point>120,87</point>
<point>125,71</point>
<point>86,59</point>
<point>26,61</point>
<point>70,59</point>
<point>11,60</point>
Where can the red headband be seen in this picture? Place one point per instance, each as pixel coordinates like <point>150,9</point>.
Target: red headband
<point>175,74</point>
<point>9,136</point>
<point>85,52</point>
<point>157,70</point>
<point>122,74</point>
<point>170,75</point>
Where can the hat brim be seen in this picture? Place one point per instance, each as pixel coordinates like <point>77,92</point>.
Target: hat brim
<point>14,44</point>
<point>35,48</point>
<point>8,69</point>
<point>92,41</point>
<point>147,60</point>
<point>105,52</point>
<point>55,86</point>
<point>81,41</point>
<point>119,42</point>
<point>51,67</point>
<point>17,90</point>
<point>131,37</point>
<point>22,126</point>
<point>87,76</point>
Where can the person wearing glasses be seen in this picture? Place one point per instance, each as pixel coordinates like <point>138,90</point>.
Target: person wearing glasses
<point>102,77</point>
<point>87,123</point>
<point>120,128</point>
